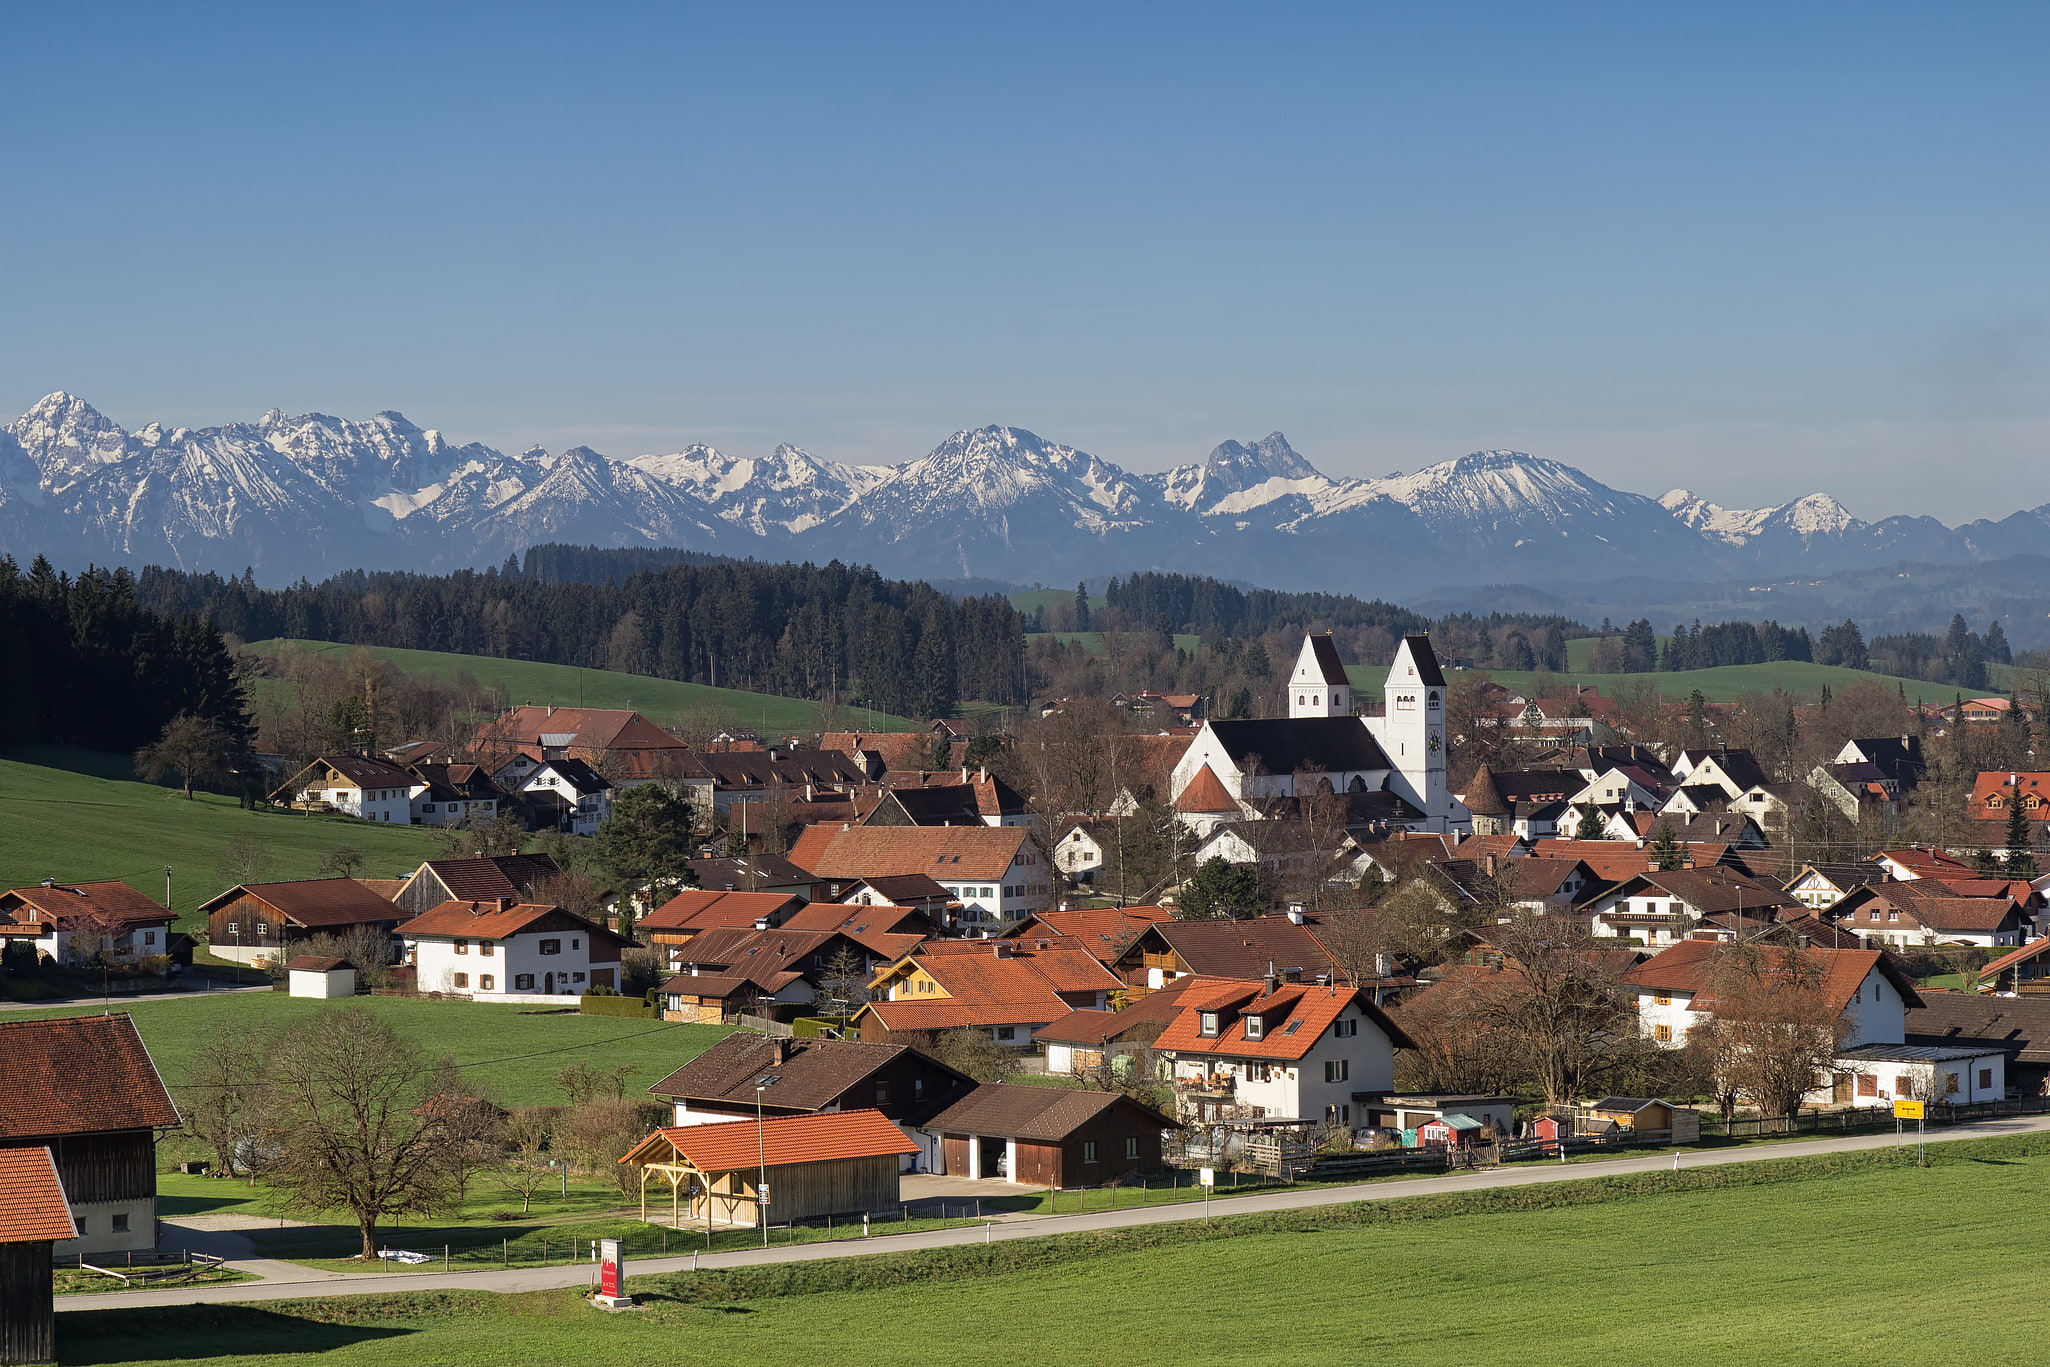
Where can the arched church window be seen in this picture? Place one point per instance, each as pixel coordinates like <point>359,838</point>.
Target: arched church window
<point>1358,785</point>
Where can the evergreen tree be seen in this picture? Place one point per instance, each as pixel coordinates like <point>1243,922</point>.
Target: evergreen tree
<point>646,840</point>
<point>1665,852</point>
<point>1995,645</point>
<point>2020,857</point>
<point>1081,607</point>
<point>1221,891</point>
<point>1592,825</point>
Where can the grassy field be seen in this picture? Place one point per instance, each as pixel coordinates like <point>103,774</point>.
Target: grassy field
<point>513,1055</point>
<point>661,700</point>
<point>1798,677</point>
<point>1799,1264</point>
<point>1032,600</point>
<point>73,815</point>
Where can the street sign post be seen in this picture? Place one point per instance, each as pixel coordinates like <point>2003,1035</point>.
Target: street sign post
<point>1916,1111</point>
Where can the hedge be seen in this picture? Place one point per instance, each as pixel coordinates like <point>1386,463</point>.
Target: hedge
<point>589,1005</point>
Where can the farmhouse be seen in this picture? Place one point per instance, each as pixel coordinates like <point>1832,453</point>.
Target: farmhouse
<point>1924,911</point>
<point>451,794</point>
<point>565,795</point>
<point>473,880</point>
<point>505,950</point>
<point>252,921</point>
<point>994,872</point>
<point>355,785</point>
<point>74,921</point>
<point>812,1076</point>
<point>792,1167</point>
<point>84,1088</point>
<point>1043,1136</point>
<point>1006,987</point>
<point>1660,906</point>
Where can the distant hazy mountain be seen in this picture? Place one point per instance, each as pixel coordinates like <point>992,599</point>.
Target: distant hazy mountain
<point>314,494</point>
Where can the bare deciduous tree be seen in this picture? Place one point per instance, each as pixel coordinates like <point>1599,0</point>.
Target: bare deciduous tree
<point>347,1122</point>
<point>1773,1030</point>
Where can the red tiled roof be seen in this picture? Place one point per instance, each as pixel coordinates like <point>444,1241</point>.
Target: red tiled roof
<point>32,1204</point>
<point>116,902</point>
<point>708,909</point>
<point>939,852</point>
<point>1616,860</point>
<point>1104,932</point>
<point>488,921</point>
<point>786,1140</point>
<point>316,901</point>
<point>1205,793</point>
<point>1295,1015</point>
<point>78,1075</point>
<point>478,880</point>
<point>1689,966</point>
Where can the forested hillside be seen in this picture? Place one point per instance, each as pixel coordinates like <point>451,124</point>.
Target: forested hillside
<point>809,631</point>
<point>83,662</point>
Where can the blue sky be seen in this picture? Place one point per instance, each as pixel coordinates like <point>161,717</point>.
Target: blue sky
<point>1752,249</point>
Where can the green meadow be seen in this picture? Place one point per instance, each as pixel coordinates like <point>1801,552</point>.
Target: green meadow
<point>1862,1258</point>
<point>79,816</point>
<point>660,700</point>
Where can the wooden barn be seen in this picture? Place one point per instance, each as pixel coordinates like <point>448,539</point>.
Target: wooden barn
<point>258,920</point>
<point>33,1218</point>
<point>1044,1136</point>
<point>84,1088</point>
<point>831,1163</point>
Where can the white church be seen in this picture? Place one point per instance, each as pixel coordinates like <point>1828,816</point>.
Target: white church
<point>1393,765</point>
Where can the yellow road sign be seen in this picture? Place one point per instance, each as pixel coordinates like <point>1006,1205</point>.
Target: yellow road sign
<point>1908,1110</point>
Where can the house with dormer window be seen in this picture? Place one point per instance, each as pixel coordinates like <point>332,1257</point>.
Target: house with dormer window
<point>1274,1050</point>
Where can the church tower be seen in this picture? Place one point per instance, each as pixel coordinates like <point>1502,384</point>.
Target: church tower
<point>1412,733</point>
<point>1319,686</point>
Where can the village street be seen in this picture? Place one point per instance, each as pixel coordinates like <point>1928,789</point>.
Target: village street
<point>284,1281</point>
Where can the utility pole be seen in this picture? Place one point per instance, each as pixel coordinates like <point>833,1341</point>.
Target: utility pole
<point>762,1084</point>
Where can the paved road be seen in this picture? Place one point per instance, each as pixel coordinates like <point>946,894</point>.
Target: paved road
<point>196,990</point>
<point>310,1282</point>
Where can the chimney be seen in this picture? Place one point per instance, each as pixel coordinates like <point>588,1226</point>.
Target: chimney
<point>507,903</point>
<point>1002,949</point>
<point>1801,942</point>
<point>761,923</point>
<point>1271,981</point>
<point>782,1044</point>
<point>1295,914</point>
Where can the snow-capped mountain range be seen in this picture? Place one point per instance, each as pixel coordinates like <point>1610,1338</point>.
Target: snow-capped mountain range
<point>314,494</point>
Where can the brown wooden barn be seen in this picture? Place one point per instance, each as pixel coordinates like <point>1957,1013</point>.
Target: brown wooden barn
<point>84,1088</point>
<point>813,1075</point>
<point>256,920</point>
<point>832,1163</point>
<point>1045,1136</point>
<point>33,1218</point>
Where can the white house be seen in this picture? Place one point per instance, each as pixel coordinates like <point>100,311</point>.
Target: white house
<point>355,785</point>
<point>1874,1063</point>
<point>566,795</point>
<point>1078,853</point>
<point>451,794</point>
<point>1660,906</point>
<point>995,872</point>
<point>1239,1050</point>
<point>72,921</point>
<point>510,951</point>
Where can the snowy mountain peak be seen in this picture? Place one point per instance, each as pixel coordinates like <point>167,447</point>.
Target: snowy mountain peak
<point>1505,487</point>
<point>1239,478</point>
<point>1815,515</point>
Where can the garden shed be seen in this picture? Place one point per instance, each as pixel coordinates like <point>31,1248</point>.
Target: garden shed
<point>790,1167</point>
<point>314,975</point>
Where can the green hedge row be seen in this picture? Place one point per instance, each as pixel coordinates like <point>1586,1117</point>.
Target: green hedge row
<point>1023,1255</point>
<point>589,1005</point>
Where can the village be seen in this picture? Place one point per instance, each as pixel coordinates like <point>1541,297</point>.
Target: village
<point>924,984</point>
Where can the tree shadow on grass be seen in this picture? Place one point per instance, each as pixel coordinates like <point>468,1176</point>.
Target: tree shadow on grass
<point>172,1333</point>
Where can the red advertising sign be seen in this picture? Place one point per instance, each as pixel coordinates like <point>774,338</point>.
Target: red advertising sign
<point>611,1268</point>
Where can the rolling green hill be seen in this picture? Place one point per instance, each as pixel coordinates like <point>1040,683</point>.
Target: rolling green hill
<point>660,700</point>
<point>1032,600</point>
<point>74,816</point>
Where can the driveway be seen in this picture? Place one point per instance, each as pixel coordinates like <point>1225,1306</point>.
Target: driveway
<point>307,1282</point>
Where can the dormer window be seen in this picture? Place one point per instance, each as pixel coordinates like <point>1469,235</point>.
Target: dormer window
<point>1255,1027</point>
<point>1206,1024</point>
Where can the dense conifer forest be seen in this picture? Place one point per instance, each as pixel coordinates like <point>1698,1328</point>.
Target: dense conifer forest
<point>87,663</point>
